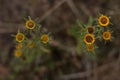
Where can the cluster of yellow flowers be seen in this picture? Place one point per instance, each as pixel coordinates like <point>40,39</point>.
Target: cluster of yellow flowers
<point>95,30</point>
<point>88,35</point>
<point>36,39</point>
<point>105,21</point>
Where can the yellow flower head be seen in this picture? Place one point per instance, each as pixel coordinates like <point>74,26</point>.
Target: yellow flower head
<point>106,35</point>
<point>90,30</point>
<point>30,24</point>
<point>20,37</point>
<point>31,45</point>
<point>89,39</point>
<point>19,46</point>
<point>104,20</point>
<point>18,53</point>
<point>90,47</point>
<point>45,38</point>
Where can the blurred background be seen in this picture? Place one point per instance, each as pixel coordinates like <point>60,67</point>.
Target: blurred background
<point>57,17</point>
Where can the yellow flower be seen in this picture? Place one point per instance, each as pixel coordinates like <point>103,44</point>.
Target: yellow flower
<point>30,24</point>
<point>45,38</point>
<point>104,20</point>
<point>106,35</point>
<point>90,30</point>
<point>90,47</point>
<point>19,46</point>
<point>31,45</point>
<point>89,39</point>
<point>20,37</point>
<point>18,53</point>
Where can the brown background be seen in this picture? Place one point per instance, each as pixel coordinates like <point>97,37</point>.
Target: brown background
<point>58,16</point>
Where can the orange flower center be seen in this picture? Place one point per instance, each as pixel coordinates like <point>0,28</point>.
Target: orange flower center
<point>19,46</point>
<point>30,24</point>
<point>20,37</point>
<point>106,35</point>
<point>90,47</point>
<point>90,29</point>
<point>103,20</point>
<point>45,38</point>
<point>89,39</point>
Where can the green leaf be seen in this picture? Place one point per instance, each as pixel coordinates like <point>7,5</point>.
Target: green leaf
<point>90,21</point>
<point>17,68</point>
<point>75,31</point>
<point>79,46</point>
<point>80,24</point>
